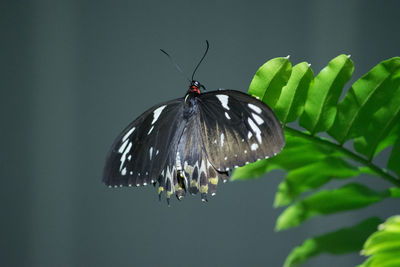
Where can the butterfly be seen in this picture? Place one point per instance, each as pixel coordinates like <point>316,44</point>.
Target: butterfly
<point>189,144</point>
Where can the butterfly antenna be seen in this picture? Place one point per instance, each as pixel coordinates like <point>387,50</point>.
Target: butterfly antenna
<point>205,53</point>
<point>176,65</point>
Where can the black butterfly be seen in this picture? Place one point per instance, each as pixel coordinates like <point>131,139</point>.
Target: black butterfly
<point>190,143</point>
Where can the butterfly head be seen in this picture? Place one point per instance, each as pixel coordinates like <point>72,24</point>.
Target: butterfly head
<point>195,87</point>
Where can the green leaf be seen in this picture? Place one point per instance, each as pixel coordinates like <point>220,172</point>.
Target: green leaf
<point>394,159</point>
<point>391,225</point>
<point>321,105</point>
<point>342,241</point>
<point>383,260</point>
<point>376,123</point>
<point>389,140</point>
<point>312,176</point>
<point>385,239</point>
<point>365,97</point>
<point>348,197</point>
<point>293,96</point>
<point>394,192</point>
<point>383,246</point>
<point>269,80</point>
<point>251,170</point>
<point>382,122</point>
<point>310,165</point>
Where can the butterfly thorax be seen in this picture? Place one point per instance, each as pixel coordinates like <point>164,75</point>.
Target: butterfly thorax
<point>191,106</point>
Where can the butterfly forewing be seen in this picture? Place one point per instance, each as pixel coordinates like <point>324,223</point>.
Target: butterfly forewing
<point>237,129</point>
<point>140,152</point>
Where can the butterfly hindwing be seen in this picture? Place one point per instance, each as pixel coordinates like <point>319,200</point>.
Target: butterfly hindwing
<point>237,129</point>
<point>140,152</point>
<point>198,173</point>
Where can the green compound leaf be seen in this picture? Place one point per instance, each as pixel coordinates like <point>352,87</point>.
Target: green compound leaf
<point>383,246</point>
<point>293,96</point>
<point>349,197</point>
<point>269,80</point>
<point>342,241</point>
<point>368,116</point>
<point>321,105</point>
<point>309,163</point>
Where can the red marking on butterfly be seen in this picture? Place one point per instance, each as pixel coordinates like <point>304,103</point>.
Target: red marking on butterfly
<point>194,87</point>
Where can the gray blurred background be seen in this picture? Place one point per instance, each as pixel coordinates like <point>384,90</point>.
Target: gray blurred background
<point>75,73</point>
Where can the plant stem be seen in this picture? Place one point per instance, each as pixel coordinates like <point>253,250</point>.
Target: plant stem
<point>381,172</point>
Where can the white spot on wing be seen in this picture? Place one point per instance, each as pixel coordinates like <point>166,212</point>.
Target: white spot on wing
<point>123,172</point>
<point>151,129</point>
<point>224,101</point>
<point>255,108</point>
<point>255,129</point>
<point>128,134</point>
<point>249,135</point>
<point>123,146</point>
<point>151,152</point>
<point>178,161</point>
<point>222,139</point>
<point>258,119</point>
<point>123,157</point>
<point>227,116</point>
<point>157,113</point>
<point>254,146</point>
